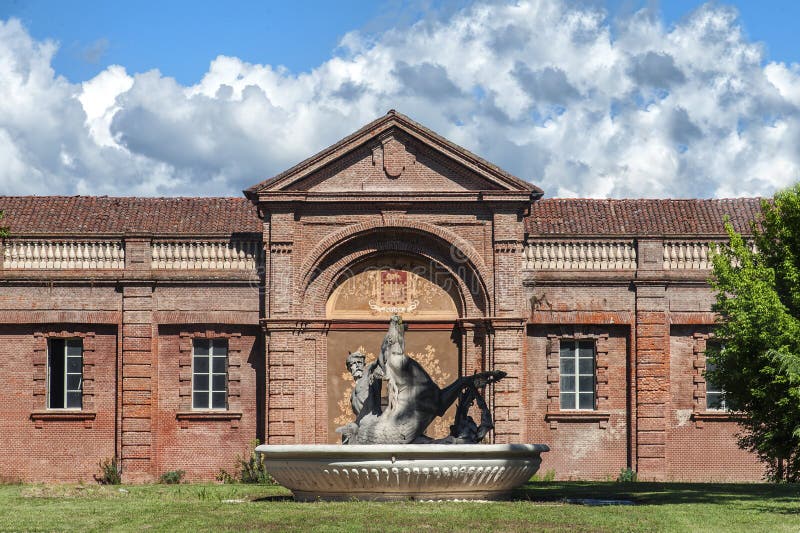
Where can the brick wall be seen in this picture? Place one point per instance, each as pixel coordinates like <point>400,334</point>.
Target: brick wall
<point>37,447</point>
<point>593,445</point>
<point>203,443</point>
<point>701,444</point>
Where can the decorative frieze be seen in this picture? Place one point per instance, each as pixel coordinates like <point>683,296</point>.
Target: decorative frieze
<point>579,255</point>
<point>202,255</point>
<point>62,254</point>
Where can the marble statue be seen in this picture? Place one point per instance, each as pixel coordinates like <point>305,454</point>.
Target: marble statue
<point>366,391</point>
<point>414,398</point>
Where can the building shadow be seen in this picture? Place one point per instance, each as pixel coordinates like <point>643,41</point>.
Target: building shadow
<point>652,493</point>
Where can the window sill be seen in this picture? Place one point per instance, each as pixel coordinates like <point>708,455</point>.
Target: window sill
<point>63,415</point>
<point>600,417</point>
<point>723,416</point>
<point>185,416</point>
<point>40,417</point>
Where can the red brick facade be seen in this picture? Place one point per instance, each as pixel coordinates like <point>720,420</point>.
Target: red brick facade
<point>141,280</point>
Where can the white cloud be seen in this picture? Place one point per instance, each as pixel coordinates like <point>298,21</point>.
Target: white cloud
<point>98,97</point>
<point>543,88</point>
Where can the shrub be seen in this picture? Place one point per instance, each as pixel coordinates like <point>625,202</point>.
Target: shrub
<point>251,468</point>
<point>223,476</point>
<point>173,477</point>
<point>547,477</point>
<point>3,230</point>
<point>110,472</point>
<point>626,475</point>
<point>247,469</point>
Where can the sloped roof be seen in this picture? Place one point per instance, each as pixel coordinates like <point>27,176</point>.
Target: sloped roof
<point>392,119</point>
<point>579,216</point>
<point>30,215</point>
<point>71,215</point>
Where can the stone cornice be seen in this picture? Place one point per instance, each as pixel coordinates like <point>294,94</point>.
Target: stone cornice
<point>27,316</point>
<point>402,197</point>
<point>101,277</point>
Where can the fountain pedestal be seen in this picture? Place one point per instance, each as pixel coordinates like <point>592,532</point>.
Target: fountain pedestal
<point>385,472</point>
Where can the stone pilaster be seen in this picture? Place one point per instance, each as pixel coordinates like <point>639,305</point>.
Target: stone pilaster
<point>652,364</point>
<point>506,342</point>
<point>282,399</point>
<point>280,276</point>
<point>138,366</point>
<point>508,244</point>
<point>138,370</point>
<point>507,338</point>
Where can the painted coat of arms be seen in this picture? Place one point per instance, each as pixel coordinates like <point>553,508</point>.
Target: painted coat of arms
<point>393,293</point>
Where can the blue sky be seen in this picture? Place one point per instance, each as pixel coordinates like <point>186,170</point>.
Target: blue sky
<point>590,98</point>
<point>180,38</point>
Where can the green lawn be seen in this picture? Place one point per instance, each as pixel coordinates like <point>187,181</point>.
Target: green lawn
<point>537,507</point>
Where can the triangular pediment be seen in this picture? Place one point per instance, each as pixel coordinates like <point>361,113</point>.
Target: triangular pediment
<point>393,154</point>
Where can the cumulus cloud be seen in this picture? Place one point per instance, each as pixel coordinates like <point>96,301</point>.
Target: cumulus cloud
<point>553,91</point>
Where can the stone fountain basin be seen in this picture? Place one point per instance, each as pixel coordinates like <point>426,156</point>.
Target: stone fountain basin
<point>386,472</point>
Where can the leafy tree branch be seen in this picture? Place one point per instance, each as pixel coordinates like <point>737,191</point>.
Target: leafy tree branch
<point>757,360</point>
<point>3,229</point>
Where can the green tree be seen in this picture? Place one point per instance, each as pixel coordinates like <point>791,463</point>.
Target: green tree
<point>758,359</point>
<point>3,230</point>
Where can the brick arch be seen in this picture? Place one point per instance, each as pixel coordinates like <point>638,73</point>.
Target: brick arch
<point>442,235</point>
<point>340,275</point>
<point>330,268</point>
<point>317,294</point>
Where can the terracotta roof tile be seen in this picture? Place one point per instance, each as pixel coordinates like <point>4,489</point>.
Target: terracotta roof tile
<point>578,216</point>
<point>30,215</point>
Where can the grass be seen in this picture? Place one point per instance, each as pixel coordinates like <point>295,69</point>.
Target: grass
<point>541,506</point>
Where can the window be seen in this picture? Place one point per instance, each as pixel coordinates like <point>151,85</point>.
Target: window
<point>715,396</point>
<point>210,374</point>
<point>577,385</point>
<point>65,374</point>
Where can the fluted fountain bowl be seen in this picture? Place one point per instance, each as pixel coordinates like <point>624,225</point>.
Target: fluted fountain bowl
<point>402,471</point>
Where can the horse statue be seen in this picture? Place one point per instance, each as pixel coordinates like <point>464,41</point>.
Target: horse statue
<point>414,399</point>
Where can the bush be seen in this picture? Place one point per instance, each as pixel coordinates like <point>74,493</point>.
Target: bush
<point>223,476</point>
<point>173,477</point>
<point>547,477</point>
<point>248,469</point>
<point>110,472</point>
<point>626,475</point>
<point>252,469</point>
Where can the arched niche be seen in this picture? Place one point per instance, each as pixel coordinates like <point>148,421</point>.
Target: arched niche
<point>363,298</point>
<point>453,271</point>
<point>384,285</point>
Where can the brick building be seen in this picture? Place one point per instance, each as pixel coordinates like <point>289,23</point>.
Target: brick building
<point>170,332</point>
